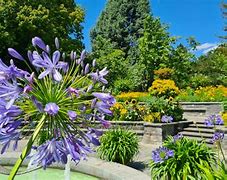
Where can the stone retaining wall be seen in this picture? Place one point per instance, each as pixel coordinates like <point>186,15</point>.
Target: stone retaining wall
<point>207,107</point>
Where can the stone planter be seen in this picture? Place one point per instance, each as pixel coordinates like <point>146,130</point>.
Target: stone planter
<point>156,133</point>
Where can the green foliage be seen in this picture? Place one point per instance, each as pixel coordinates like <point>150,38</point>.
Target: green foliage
<point>121,23</point>
<point>122,85</point>
<point>155,48</point>
<point>115,62</point>
<point>118,145</point>
<point>199,80</point>
<point>203,94</point>
<point>22,20</point>
<point>180,62</point>
<point>218,172</point>
<point>213,65</point>
<point>189,156</point>
<point>115,42</point>
<point>224,13</point>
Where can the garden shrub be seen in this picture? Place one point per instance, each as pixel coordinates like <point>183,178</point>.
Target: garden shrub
<point>127,111</point>
<point>123,85</point>
<point>164,88</point>
<point>199,80</point>
<point>181,158</point>
<point>209,93</point>
<point>158,107</point>
<point>118,145</point>
<point>163,73</point>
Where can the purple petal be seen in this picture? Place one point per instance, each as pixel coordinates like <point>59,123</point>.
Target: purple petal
<point>57,76</point>
<point>44,73</point>
<point>56,57</point>
<point>36,41</point>
<point>15,54</point>
<point>86,69</point>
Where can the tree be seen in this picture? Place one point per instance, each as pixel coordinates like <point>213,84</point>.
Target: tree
<point>180,62</point>
<point>224,12</point>
<point>20,20</point>
<point>121,23</point>
<point>213,65</point>
<point>155,48</point>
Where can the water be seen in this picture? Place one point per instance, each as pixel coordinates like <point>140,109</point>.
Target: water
<point>67,168</point>
<point>50,174</point>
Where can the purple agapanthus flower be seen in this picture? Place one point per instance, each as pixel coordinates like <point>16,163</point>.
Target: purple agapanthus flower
<point>105,97</point>
<point>161,154</point>
<point>10,92</point>
<point>214,119</point>
<point>51,108</point>
<point>49,105</point>
<point>11,72</point>
<point>15,54</point>
<point>72,115</point>
<point>73,91</point>
<point>177,137</point>
<point>218,136</point>
<point>167,119</point>
<point>36,41</point>
<point>105,123</point>
<point>51,67</point>
<point>99,76</point>
<point>9,133</point>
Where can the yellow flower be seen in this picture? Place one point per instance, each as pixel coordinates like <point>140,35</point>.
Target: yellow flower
<point>131,95</point>
<point>165,87</point>
<point>123,111</point>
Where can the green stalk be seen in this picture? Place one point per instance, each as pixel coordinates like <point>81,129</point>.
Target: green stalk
<point>27,149</point>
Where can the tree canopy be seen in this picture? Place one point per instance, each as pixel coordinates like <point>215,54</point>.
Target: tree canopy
<point>20,20</point>
<point>121,23</point>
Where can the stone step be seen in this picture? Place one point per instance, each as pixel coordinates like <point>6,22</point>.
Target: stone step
<point>195,109</point>
<point>201,126</point>
<point>202,130</point>
<point>196,134</point>
<point>207,141</point>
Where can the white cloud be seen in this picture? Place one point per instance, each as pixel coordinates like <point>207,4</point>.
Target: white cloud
<point>206,47</point>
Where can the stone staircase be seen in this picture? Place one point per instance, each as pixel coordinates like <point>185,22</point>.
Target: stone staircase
<point>199,131</point>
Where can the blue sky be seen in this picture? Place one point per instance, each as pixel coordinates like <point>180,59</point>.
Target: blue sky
<point>199,18</point>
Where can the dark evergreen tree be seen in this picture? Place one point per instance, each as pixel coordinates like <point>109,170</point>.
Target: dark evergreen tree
<point>224,12</point>
<point>121,23</point>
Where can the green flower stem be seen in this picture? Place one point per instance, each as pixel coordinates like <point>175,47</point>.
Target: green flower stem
<point>27,148</point>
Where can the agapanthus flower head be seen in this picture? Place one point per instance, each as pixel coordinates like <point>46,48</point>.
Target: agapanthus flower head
<point>177,137</point>
<point>217,137</point>
<point>50,99</point>
<point>214,119</point>
<point>161,154</point>
<point>51,108</point>
<point>167,119</point>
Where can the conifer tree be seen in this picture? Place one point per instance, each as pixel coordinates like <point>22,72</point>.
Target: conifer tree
<point>121,23</point>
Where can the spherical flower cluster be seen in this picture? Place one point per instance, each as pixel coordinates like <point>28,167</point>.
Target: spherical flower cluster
<point>167,119</point>
<point>213,120</point>
<point>177,137</point>
<point>161,154</point>
<point>52,97</point>
<point>217,137</point>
